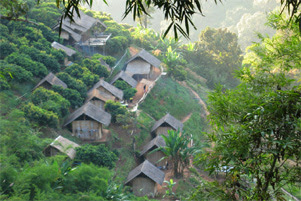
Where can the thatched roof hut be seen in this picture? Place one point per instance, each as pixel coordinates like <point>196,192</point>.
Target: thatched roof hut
<point>63,145</point>
<point>123,76</point>
<point>59,46</point>
<point>155,143</point>
<point>167,122</point>
<point>108,87</point>
<point>156,156</point>
<point>49,81</point>
<point>80,25</point>
<point>147,57</point>
<point>144,179</point>
<point>91,111</point>
<point>97,94</point>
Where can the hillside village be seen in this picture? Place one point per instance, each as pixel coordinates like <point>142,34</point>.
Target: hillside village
<point>96,110</point>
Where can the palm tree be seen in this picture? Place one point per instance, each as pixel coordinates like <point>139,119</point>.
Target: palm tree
<point>177,150</point>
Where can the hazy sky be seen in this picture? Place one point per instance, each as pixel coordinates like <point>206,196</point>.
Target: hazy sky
<point>244,17</point>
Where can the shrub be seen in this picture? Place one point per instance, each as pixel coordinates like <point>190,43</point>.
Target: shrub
<point>73,83</point>
<point>129,93</point>
<point>51,101</point>
<point>72,95</point>
<point>98,155</point>
<point>39,56</point>
<point>108,59</point>
<point>95,67</point>
<point>87,178</point>
<point>115,108</point>
<point>23,60</point>
<point>14,72</point>
<point>3,84</point>
<point>40,116</point>
<point>6,48</point>
<point>83,74</point>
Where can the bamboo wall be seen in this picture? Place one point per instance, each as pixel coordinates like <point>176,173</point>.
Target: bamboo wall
<point>154,157</point>
<point>87,129</point>
<point>143,186</point>
<point>163,130</point>
<point>100,104</point>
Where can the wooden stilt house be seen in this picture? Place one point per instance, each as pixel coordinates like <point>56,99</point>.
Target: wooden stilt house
<point>87,122</point>
<point>142,65</point>
<point>145,179</point>
<point>168,122</point>
<point>155,156</point>
<point>61,145</point>
<point>125,77</point>
<point>50,80</point>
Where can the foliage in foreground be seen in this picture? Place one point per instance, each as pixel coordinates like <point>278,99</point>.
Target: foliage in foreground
<point>257,126</point>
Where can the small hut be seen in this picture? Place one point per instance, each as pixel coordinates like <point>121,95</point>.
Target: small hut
<point>125,77</point>
<point>87,122</point>
<point>50,80</point>
<point>156,156</point>
<point>145,179</point>
<point>81,28</point>
<point>109,89</point>
<point>98,98</point>
<point>166,123</point>
<point>69,52</point>
<point>61,145</point>
<point>142,65</point>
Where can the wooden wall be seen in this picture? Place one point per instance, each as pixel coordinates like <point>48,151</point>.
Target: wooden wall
<point>100,104</point>
<point>163,130</point>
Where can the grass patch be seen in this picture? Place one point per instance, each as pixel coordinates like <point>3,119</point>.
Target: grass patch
<point>169,97</point>
<point>195,126</point>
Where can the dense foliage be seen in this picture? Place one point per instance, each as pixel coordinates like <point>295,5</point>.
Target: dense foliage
<point>98,155</point>
<point>257,125</point>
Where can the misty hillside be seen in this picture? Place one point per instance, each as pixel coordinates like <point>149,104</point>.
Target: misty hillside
<point>96,108</point>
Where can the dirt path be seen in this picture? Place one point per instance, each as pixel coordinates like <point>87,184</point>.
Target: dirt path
<point>201,102</point>
<point>186,118</point>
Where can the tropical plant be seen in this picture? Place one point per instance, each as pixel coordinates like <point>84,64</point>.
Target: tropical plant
<point>169,190</point>
<point>177,150</point>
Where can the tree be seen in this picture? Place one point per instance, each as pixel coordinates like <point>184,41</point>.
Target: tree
<point>177,150</point>
<point>257,125</point>
<point>115,109</point>
<point>98,155</point>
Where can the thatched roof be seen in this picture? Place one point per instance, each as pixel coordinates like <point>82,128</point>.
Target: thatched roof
<point>149,170</point>
<point>155,143</point>
<point>111,88</point>
<point>170,120</point>
<point>81,24</point>
<point>52,80</point>
<point>91,111</point>
<point>65,146</point>
<point>146,56</point>
<point>122,75</point>
<point>59,46</point>
<point>95,93</point>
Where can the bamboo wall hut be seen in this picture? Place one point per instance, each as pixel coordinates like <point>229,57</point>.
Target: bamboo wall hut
<point>168,122</point>
<point>108,89</point>
<point>99,98</point>
<point>155,156</point>
<point>145,179</point>
<point>61,145</point>
<point>141,65</point>
<point>125,77</point>
<point>50,80</point>
<point>81,28</point>
<point>87,122</point>
<point>69,52</point>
